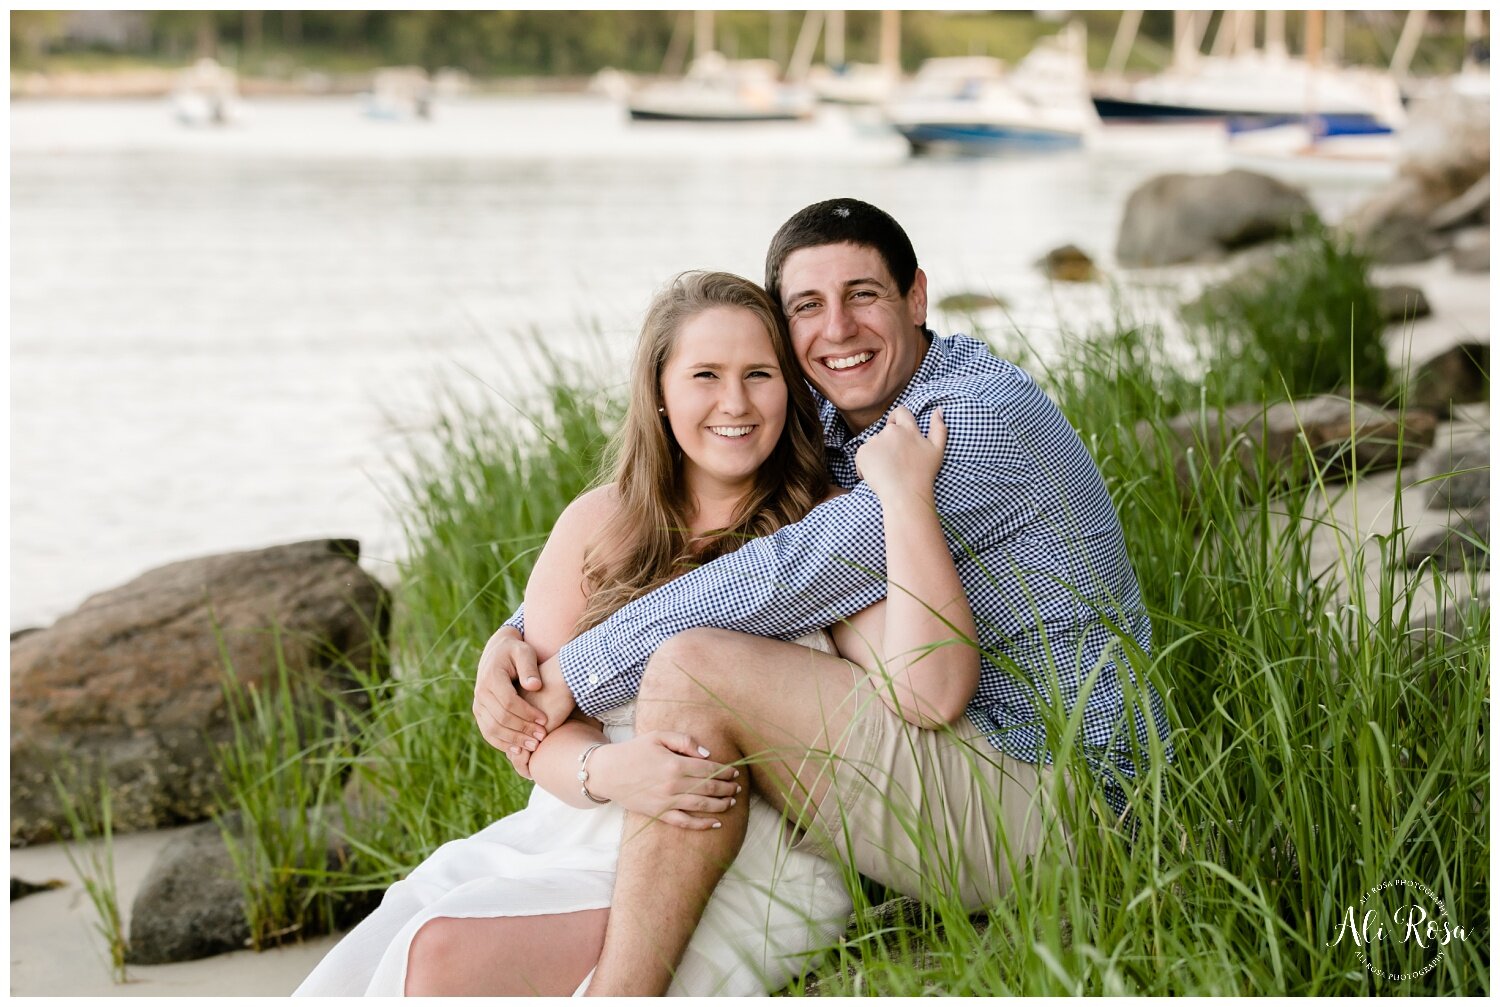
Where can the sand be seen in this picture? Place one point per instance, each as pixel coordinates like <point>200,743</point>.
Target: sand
<point>57,950</point>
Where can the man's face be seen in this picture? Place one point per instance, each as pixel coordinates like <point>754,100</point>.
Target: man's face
<point>858,340</point>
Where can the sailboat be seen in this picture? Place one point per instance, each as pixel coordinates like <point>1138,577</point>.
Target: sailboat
<point>972,104</point>
<point>718,89</point>
<point>841,82</point>
<point>1250,88</point>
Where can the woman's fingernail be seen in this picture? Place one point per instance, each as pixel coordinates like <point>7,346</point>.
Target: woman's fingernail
<point>540,736</point>
<point>514,750</point>
<point>736,772</point>
<point>530,745</point>
<point>718,825</point>
<point>736,788</point>
<point>703,751</point>
<point>731,802</point>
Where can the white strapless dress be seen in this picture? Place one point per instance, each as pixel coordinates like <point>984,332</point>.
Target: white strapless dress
<point>772,909</point>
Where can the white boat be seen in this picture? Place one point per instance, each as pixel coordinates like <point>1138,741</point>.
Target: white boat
<point>854,83</point>
<point>207,94</point>
<point>971,104</point>
<point>1299,152</point>
<point>398,93</point>
<point>717,89</point>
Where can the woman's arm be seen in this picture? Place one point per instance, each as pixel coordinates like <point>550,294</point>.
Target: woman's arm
<point>927,647</point>
<point>658,774</point>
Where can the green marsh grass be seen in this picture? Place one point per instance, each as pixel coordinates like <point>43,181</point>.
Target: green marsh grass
<point>1324,742</point>
<point>92,856</point>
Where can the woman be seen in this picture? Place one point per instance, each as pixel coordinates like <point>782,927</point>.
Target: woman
<point>720,443</point>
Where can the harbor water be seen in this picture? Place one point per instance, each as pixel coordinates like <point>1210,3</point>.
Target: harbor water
<point>226,338</point>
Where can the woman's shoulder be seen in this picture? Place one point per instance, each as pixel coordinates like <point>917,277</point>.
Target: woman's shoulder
<point>590,510</point>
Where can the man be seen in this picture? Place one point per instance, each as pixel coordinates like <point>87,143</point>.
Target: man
<point>1038,548</point>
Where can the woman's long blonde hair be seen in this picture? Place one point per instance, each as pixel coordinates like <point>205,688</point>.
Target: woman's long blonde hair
<point>648,542</point>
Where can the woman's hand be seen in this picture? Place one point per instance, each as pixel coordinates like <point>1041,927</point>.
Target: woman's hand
<point>664,775</point>
<point>899,459</point>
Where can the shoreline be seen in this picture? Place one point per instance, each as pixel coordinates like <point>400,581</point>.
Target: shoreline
<point>56,948</point>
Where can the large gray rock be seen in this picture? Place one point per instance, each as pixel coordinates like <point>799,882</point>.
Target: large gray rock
<point>1464,544</point>
<point>1471,251</point>
<point>1402,302</point>
<point>130,686</point>
<point>1456,474</point>
<point>191,904</point>
<point>1347,435</point>
<point>1200,218</point>
<point>1470,209</point>
<point>1455,376</point>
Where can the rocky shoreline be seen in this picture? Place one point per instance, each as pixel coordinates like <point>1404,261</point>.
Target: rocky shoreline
<point>128,687</point>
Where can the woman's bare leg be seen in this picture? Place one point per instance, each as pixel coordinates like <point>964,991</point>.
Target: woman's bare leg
<point>504,955</point>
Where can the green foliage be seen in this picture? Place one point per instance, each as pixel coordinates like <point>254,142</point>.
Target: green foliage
<point>1325,743</point>
<point>1308,323</point>
<point>92,855</point>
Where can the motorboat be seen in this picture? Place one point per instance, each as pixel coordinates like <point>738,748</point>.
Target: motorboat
<point>716,89</point>
<point>972,104</point>
<point>1259,89</point>
<point>207,94</point>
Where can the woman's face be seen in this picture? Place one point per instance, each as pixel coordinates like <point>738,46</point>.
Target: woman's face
<point>725,397</point>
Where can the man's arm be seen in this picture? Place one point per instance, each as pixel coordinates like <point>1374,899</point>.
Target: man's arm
<point>803,577</point>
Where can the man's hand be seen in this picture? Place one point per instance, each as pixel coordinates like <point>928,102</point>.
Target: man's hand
<point>507,721</point>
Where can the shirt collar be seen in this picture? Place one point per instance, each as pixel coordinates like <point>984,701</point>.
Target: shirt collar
<point>836,432</point>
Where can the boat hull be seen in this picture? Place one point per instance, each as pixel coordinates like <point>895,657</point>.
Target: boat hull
<point>661,115</point>
<point>976,137</point>
<point>1118,110</point>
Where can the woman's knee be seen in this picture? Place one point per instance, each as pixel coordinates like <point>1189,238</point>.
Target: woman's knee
<point>435,955</point>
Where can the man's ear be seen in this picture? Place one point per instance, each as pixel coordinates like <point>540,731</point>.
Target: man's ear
<point>916,298</point>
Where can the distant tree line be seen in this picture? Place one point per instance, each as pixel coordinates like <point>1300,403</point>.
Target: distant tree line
<point>502,43</point>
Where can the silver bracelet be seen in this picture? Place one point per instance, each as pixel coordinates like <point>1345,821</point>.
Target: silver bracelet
<point>583,773</point>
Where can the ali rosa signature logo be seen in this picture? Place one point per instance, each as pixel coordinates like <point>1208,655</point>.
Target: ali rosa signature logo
<point>1400,912</point>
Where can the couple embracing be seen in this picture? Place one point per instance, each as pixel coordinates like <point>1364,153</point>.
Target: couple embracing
<point>801,630</point>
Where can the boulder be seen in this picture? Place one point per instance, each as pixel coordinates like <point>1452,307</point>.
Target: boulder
<point>1441,183</point>
<point>1450,620</point>
<point>1200,218</point>
<point>1463,544</point>
<point>1456,474</point>
<point>1471,251</point>
<point>1458,375</point>
<point>1402,302</point>
<point>1068,264</point>
<point>1470,209</point>
<point>129,688</point>
<point>191,904</point>
<point>1340,434</point>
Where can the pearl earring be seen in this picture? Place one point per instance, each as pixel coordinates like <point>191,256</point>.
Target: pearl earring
<point>662,410</point>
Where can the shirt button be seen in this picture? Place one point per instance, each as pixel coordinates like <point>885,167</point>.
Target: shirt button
<point>593,680</point>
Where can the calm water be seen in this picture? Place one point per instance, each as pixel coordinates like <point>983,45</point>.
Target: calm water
<point>221,340</point>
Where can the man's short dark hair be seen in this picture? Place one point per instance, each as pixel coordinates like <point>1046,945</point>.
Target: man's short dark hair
<point>838,222</point>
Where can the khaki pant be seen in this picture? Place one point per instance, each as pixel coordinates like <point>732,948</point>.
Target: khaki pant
<point>929,812</point>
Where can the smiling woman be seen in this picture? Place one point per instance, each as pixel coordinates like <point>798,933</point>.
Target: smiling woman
<point>725,398</point>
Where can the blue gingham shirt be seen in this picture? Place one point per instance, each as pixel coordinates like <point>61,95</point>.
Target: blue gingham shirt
<point>1034,536</point>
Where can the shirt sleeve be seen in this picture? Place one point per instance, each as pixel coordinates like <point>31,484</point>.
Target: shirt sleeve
<point>803,577</point>
<point>518,620</point>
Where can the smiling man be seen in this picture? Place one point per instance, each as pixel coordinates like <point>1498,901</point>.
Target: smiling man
<point>1038,547</point>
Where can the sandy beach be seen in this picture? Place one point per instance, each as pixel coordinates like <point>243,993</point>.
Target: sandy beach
<point>57,950</point>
